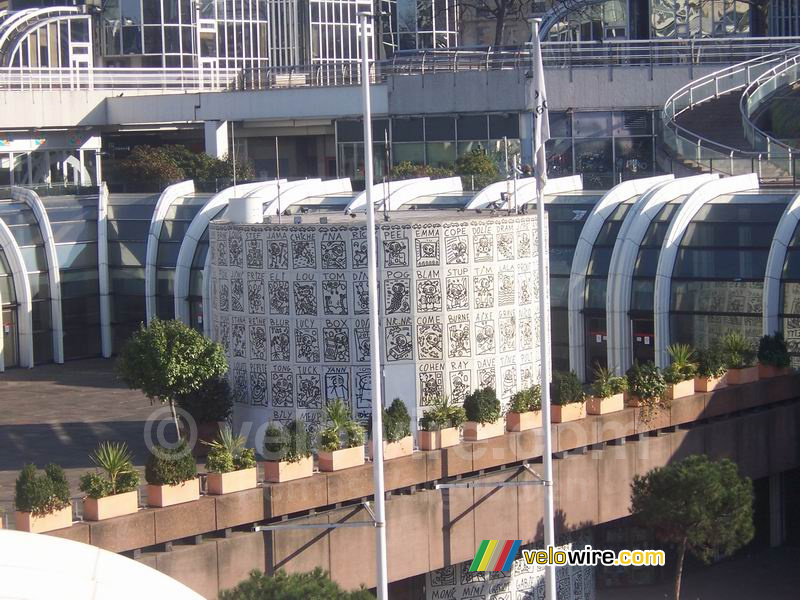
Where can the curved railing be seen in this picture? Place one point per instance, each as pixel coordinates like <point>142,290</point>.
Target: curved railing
<point>758,93</point>
<point>19,22</point>
<point>708,155</point>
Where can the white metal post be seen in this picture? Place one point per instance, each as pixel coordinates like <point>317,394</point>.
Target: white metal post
<point>382,583</point>
<point>544,344</point>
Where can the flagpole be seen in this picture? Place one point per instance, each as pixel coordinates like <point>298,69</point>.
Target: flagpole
<point>382,584</point>
<point>540,171</point>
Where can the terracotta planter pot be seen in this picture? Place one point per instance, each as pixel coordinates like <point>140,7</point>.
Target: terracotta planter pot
<point>402,447</point>
<point>568,412</point>
<point>280,471</point>
<point>680,390</point>
<point>436,440</point>
<point>523,421</point>
<point>474,431</point>
<point>340,459</point>
<point>25,521</point>
<point>110,506</point>
<point>767,371</point>
<point>602,406</point>
<point>167,495</point>
<point>709,384</point>
<point>741,376</point>
<point>235,481</point>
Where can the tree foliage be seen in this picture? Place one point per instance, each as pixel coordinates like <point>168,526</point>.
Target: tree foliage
<point>297,586</point>
<point>164,165</point>
<point>168,360</point>
<point>41,494</point>
<point>477,169</point>
<point>696,504</point>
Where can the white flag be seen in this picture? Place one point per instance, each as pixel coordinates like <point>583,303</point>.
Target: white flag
<point>541,117</point>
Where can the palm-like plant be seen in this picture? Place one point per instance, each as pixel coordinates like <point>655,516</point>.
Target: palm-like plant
<point>115,459</point>
<point>228,442</point>
<point>684,363</point>
<point>229,452</point>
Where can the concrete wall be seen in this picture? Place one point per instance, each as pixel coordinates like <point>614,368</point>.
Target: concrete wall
<point>431,529</point>
<point>442,93</point>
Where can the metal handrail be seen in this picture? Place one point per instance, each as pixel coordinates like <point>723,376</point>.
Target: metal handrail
<point>754,95</point>
<point>731,78</point>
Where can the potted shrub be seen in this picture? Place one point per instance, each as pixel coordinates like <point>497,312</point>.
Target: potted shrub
<point>112,491</point>
<point>712,372</point>
<point>773,356</point>
<point>740,358</point>
<point>42,500</point>
<point>484,415</point>
<point>679,375</point>
<point>209,406</point>
<point>397,438</point>
<point>608,392</point>
<point>439,426</point>
<point>171,475</point>
<point>525,410</point>
<point>341,441</point>
<point>231,466</point>
<point>288,452</point>
<point>568,399</point>
<point>646,388</point>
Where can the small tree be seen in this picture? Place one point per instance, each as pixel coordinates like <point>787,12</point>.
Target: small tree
<point>297,586</point>
<point>168,360</point>
<point>698,505</point>
<point>477,168</point>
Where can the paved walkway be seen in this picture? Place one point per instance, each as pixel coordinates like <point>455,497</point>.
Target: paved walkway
<point>59,413</point>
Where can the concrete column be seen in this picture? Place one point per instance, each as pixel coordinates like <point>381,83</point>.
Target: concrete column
<point>526,138</point>
<point>776,511</point>
<point>103,271</point>
<point>216,138</point>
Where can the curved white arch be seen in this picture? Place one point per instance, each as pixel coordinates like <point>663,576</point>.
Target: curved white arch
<point>302,190</point>
<point>526,190</point>
<point>165,200</point>
<point>669,251</point>
<point>379,192</point>
<point>32,199</point>
<point>410,193</point>
<point>580,261</point>
<point>623,258</point>
<point>193,234</point>
<point>22,287</point>
<point>777,255</point>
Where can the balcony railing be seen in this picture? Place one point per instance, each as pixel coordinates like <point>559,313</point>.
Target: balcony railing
<point>556,55</point>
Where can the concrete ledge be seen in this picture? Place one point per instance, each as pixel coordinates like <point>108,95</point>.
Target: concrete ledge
<point>128,532</point>
<point>184,520</point>
<point>240,507</point>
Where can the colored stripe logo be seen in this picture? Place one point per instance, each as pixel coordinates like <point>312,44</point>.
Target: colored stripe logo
<point>495,555</point>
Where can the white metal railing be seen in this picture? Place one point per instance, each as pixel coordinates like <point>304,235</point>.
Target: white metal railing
<point>641,53</point>
<point>699,150</point>
<point>758,93</point>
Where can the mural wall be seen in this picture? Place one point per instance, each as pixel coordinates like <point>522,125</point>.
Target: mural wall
<point>458,301</point>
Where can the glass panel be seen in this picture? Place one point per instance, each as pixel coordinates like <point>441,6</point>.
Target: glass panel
<point>599,261</point>
<point>633,122</point>
<point>79,284</point>
<point>501,126</point>
<point>721,264</point>
<point>7,295</point>
<point>592,124</point>
<point>717,296</point>
<point>127,253</point>
<point>440,128</point>
<point>168,254</point>
<point>128,230</point>
<point>127,281</point>
<point>26,235</point>
<point>559,292</point>
<point>165,282</point>
<point>128,309</point>
<point>561,260</point>
<point>560,124</point>
<point>703,330</point>
<point>596,293</point>
<point>79,312</point>
<point>728,234</point>
<point>82,343</point>
<point>441,154</point>
<point>740,213</point>
<point>40,286</point>
<point>411,152</point>
<point>34,258</point>
<point>594,160</point>
<point>559,158</point>
<point>40,315</point>
<point>74,231</point>
<point>565,233</point>
<point>473,127</point>
<point>642,294</point>
<point>76,255</point>
<point>634,157</point>
<point>407,130</point>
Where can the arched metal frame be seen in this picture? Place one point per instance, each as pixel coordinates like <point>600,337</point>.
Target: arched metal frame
<point>379,193</point>
<point>410,193</point>
<point>165,201</point>
<point>33,201</point>
<point>302,190</point>
<point>669,252</point>
<point>526,190</point>
<point>771,304</point>
<point>195,231</point>
<point>580,261</point>
<point>623,259</point>
<point>22,287</point>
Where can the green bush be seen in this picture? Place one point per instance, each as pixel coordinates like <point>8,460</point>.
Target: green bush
<point>211,403</point>
<point>683,366</point>
<point>290,443</point>
<point>772,351</point>
<point>711,362</point>
<point>396,421</point>
<point>228,453</point>
<point>477,167</point>
<point>41,494</point>
<point>646,381</point>
<point>526,400</point>
<point>170,466</point>
<point>409,170</point>
<point>738,350</point>
<point>118,473</point>
<point>482,406</point>
<point>315,585</point>
<point>566,388</point>
<point>442,414</point>
<point>606,384</point>
<point>342,431</point>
